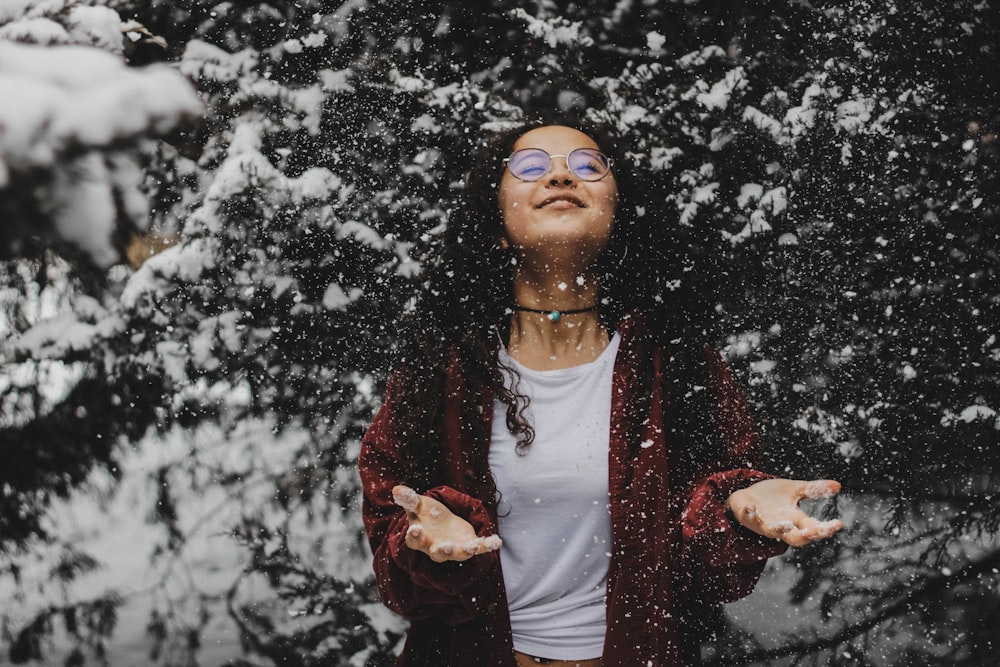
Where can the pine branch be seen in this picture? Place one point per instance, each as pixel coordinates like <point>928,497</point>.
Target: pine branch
<point>932,588</point>
<point>985,500</point>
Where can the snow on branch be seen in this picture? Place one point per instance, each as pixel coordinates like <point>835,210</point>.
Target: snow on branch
<point>554,31</point>
<point>72,119</point>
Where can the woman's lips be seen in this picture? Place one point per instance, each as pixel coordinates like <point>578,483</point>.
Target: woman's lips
<point>561,202</point>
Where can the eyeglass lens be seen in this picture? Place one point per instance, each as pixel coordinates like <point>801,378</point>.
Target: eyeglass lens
<point>531,164</point>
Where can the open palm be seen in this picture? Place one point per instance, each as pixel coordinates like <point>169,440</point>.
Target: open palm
<point>437,532</point>
<point>771,508</point>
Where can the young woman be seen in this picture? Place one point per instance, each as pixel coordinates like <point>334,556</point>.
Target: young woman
<point>563,471</point>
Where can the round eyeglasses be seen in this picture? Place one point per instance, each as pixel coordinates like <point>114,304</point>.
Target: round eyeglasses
<point>531,164</point>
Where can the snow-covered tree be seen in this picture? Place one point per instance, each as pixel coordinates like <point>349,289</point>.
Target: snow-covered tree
<point>73,119</point>
<point>831,166</point>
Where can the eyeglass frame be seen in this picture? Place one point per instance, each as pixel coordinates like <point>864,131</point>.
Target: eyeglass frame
<point>610,161</point>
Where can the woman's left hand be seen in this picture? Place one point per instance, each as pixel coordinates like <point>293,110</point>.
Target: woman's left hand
<point>771,508</point>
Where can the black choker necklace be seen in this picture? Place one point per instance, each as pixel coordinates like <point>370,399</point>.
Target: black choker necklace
<point>554,315</point>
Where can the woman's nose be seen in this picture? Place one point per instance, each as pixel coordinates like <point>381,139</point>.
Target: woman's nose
<point>560,172</point>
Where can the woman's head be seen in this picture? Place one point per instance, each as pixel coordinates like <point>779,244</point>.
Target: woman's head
<point>557,198</point>
<point>477,230</point>
<point>649,263</point>
<point>488,173</point>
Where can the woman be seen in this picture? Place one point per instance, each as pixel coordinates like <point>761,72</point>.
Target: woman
<point>554,387</point>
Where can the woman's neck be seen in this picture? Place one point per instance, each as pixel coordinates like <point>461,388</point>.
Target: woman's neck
<point>543,342</point>
<point>552,289</point>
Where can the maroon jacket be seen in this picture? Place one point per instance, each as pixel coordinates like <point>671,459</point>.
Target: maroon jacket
<point>674,549</point>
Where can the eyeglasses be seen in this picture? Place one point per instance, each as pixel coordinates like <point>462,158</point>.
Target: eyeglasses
<point>531,164</point>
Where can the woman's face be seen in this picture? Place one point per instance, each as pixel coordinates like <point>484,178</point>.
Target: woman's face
<point>558,215</point>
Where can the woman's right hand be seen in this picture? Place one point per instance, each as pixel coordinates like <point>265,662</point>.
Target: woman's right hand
<point>437,532</point>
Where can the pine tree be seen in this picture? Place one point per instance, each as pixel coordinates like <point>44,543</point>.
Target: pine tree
<point>830,169</point>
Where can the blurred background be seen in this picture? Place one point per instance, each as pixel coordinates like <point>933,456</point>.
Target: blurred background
<point>212,215</point>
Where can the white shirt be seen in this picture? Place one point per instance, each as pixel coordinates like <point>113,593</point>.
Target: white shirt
<point>554,513</point>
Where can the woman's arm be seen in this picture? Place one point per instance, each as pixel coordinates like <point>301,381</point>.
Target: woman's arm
<point>726,550</point>
<point>409,581</point>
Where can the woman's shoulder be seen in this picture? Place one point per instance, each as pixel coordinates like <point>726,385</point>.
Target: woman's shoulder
<point>689,352</point>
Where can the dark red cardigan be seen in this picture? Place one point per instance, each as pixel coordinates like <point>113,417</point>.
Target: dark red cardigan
<point>674,549</point>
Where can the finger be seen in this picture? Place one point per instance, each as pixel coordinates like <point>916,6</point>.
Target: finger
<point>797,517</point>
<point>780,521</point>
<point>415,538</point>
<point>822,529</point>
<point>793,519</point>
<point>406,498</point>
<point>794,538</point>
<point>821,488</point>
<point>745,514</point>
<point>442,551</point>
<point>779,529</point>
<point>793,527</point>
<point>807,522</point>
<point>492,542</point>
<point>819,531</point>
<point>482,545</point>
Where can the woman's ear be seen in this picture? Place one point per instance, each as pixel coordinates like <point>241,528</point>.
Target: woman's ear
<point>503,243</point>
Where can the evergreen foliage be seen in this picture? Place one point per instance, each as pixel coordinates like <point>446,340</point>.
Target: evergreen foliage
<point>833,164</point>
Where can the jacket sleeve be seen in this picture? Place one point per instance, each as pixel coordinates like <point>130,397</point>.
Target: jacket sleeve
<point>409,582</point>
<point>724,558</point>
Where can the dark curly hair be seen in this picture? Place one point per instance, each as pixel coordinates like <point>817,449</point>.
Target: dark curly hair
<point>651,267</point>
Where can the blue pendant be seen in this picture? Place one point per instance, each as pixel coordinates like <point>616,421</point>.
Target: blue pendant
<point>554,316</point>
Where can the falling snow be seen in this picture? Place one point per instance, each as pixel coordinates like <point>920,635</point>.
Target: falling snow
<point>829,173</point>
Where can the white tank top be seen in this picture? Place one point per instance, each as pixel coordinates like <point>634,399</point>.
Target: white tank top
<point>554,513</point>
